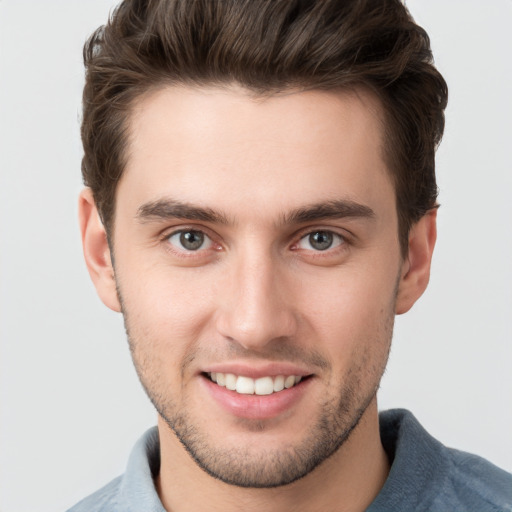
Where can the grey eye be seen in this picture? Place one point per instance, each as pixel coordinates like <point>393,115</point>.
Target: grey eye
<point>190,240</point>
<point>320,241</point>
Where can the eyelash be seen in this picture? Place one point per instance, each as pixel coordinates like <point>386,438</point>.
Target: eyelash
<point>189,254</point>
<point>338,250</point>
<point>342,245</point>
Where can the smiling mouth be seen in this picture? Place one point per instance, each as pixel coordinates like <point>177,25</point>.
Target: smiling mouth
<point>248,386</point>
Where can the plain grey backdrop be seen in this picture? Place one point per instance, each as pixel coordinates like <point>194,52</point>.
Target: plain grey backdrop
<point>71,406</point>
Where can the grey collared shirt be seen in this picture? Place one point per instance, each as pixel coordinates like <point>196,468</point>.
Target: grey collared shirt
<point>424,476</point>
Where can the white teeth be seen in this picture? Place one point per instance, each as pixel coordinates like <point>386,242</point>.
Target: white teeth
<point>221,379</point>
<point>279,383</point>
<point>248,386</point>
<point>288,382</point>
<point>245,385</point>
<point>231,381</point>
<point>264,386</point>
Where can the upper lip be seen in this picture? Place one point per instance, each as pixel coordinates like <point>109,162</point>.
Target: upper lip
<point>256,371</point>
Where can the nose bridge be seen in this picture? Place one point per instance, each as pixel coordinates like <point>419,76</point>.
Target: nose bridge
<point>256,310</point>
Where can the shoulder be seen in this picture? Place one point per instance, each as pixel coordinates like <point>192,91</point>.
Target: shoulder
<point>103,500</point>
<point>134,490</point>
<point>475,482</point>
<point>425,475</point>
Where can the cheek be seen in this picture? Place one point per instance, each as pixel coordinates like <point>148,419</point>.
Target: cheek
<point>165,313</point>
<point>351,314</point>
<point>170,299</point>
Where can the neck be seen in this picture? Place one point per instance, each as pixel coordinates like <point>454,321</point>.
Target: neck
<point>348,481</point>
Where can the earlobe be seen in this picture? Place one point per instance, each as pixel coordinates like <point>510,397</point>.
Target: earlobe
<point>96,250</point>
<point>416,266</point>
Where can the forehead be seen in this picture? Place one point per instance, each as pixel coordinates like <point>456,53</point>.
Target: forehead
<point>226,149</point>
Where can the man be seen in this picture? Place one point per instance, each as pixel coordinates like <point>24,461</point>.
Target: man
<point>261,202</point>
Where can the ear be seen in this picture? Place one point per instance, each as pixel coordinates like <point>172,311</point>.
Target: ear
<point>416,266</point>
<point>96,250</point>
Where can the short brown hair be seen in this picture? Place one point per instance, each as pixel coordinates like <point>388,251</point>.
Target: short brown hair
<point>267,46</point>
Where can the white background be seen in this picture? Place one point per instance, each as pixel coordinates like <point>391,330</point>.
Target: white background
<point>71,406</point>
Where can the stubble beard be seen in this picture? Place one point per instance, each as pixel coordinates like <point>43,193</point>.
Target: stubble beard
<point>264,468</point>
<point>242,467</point>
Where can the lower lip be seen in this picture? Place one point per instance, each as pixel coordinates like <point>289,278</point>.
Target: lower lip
<point>257,407</point>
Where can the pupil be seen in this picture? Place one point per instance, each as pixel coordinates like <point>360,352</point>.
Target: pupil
<point>321,240</point>
<point>192,240</point>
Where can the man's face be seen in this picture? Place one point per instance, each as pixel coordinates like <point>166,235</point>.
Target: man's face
<point>257,240</point>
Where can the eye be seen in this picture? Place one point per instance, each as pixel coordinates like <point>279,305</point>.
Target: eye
<point>320,241</point>
<point>190,240</point>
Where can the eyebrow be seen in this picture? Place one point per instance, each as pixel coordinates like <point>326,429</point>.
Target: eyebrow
<point>166,208</point>
<point>336,209</point>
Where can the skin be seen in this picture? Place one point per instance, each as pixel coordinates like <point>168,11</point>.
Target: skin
<point>258,293</point>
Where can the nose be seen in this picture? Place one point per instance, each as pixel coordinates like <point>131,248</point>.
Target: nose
<point>256,303</point>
